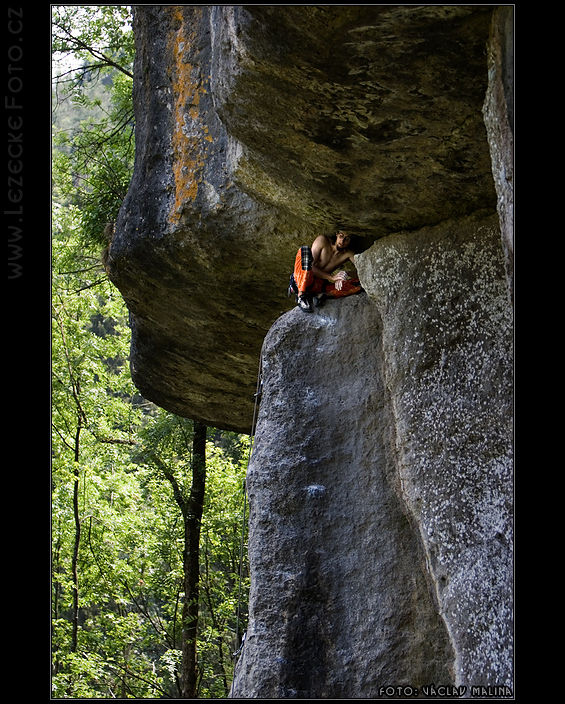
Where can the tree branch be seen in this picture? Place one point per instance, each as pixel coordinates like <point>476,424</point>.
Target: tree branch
<point>179,496</point>
<point>96,53</point>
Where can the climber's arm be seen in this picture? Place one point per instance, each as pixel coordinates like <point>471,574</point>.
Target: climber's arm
<point>321,259</point>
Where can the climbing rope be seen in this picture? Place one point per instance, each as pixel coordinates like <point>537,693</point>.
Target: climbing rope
<point>257,395</point>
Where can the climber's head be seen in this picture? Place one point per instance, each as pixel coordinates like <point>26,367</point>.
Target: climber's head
<point>342,240</point>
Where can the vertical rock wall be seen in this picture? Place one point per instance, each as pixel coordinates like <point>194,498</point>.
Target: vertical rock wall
<point>380,485</point>
<point>498,112</point>
<point>341,599</point>
<point>448,368</point>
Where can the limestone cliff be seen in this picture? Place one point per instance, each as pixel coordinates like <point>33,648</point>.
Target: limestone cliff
<point>380,484</point>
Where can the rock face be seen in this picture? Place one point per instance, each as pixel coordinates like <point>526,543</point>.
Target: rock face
<point>448,348</point>
<point>257,128</point>
<point>342,602</point>
<point>498,112</point>
<point>380,484</point>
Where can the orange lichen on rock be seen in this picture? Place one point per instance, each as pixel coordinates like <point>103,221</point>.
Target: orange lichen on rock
<point>187,138</point>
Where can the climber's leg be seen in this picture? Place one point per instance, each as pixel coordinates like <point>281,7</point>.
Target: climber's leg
<point>303,274</point>
<point>304,277</point>
<point>307,284</point>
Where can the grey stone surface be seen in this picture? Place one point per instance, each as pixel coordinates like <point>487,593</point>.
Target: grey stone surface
<point>381,480</point>
<point>381,483</point>
<point>257,128</point>
<point>498,111</point>
<point>448,351</point>
<point>341,601</point>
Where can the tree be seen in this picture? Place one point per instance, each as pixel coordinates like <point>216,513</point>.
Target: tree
<point>97,36</point>
<point>134,564</point>
<point>190,501</point>
<point>147,511</point>
<point>93,419</point>
<point>207,494</point>
<point>97,153</point>
<point>224,569</point>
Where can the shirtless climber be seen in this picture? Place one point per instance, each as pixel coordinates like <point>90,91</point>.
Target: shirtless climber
<point>315,276</point>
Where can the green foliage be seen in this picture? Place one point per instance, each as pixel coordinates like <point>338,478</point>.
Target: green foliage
<point>97,36</point>
<point>92,169</point>
<point>117,530</point>
<point>131,531</point>
<point>223,528</point>
<point>94,154</point>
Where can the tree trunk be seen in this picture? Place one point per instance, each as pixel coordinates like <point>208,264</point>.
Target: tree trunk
<point>76,513</point>
<point>192,521</point>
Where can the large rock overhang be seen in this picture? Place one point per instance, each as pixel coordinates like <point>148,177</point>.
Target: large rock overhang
<point>259,127</point>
